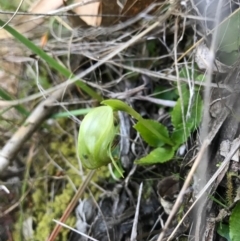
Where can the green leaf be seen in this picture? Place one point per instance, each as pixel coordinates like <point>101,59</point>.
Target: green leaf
<point>158,155</point>
<point>159,135</point>
<point>228,34</point>
<point>176,114</point>
<point>235,223</point>
<point>183,128</point>
<point>51,61</point>
<point>191,72</point>
<point>228,58</point>
<point>196,112</point>
<point>182,132</point>
<point>223,230</point>
<point>121,106</point>
<point>180,135</point>
<point>165,93</point>
<point>151,138</point>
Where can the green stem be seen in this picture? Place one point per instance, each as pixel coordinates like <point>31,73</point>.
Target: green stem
<point>119,105</point>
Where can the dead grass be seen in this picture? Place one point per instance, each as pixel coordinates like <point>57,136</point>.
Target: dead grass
<point>138,61</point>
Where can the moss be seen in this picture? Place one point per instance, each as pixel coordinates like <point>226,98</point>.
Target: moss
<point>54,210</point>
<point>51,189</point>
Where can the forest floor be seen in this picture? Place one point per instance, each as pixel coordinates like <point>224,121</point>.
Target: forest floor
<point>169,71</point>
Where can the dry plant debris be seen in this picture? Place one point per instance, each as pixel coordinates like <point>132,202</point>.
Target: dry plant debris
<point>143,53</point>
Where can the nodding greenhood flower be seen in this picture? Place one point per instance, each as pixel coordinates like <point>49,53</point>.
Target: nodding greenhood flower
<point>96,136</point>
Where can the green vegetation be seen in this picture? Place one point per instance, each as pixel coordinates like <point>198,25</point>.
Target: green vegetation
<point>60,155</point>
<point>92,131</point>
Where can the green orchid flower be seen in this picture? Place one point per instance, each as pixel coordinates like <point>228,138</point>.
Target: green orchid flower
<point>96,140</point>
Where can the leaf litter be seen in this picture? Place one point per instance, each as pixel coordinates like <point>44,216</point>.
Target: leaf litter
<point>113,211</point>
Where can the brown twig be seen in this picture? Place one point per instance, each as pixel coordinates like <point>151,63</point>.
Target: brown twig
<point>39,114</point>
<point>71,205</point>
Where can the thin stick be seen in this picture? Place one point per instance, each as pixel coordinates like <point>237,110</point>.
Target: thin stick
<point>234,148</point>
<point>5,103</point>
<point>71,205</point>
<point>183,190</point>
<point>39,114</point>
<point>135,222</point>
